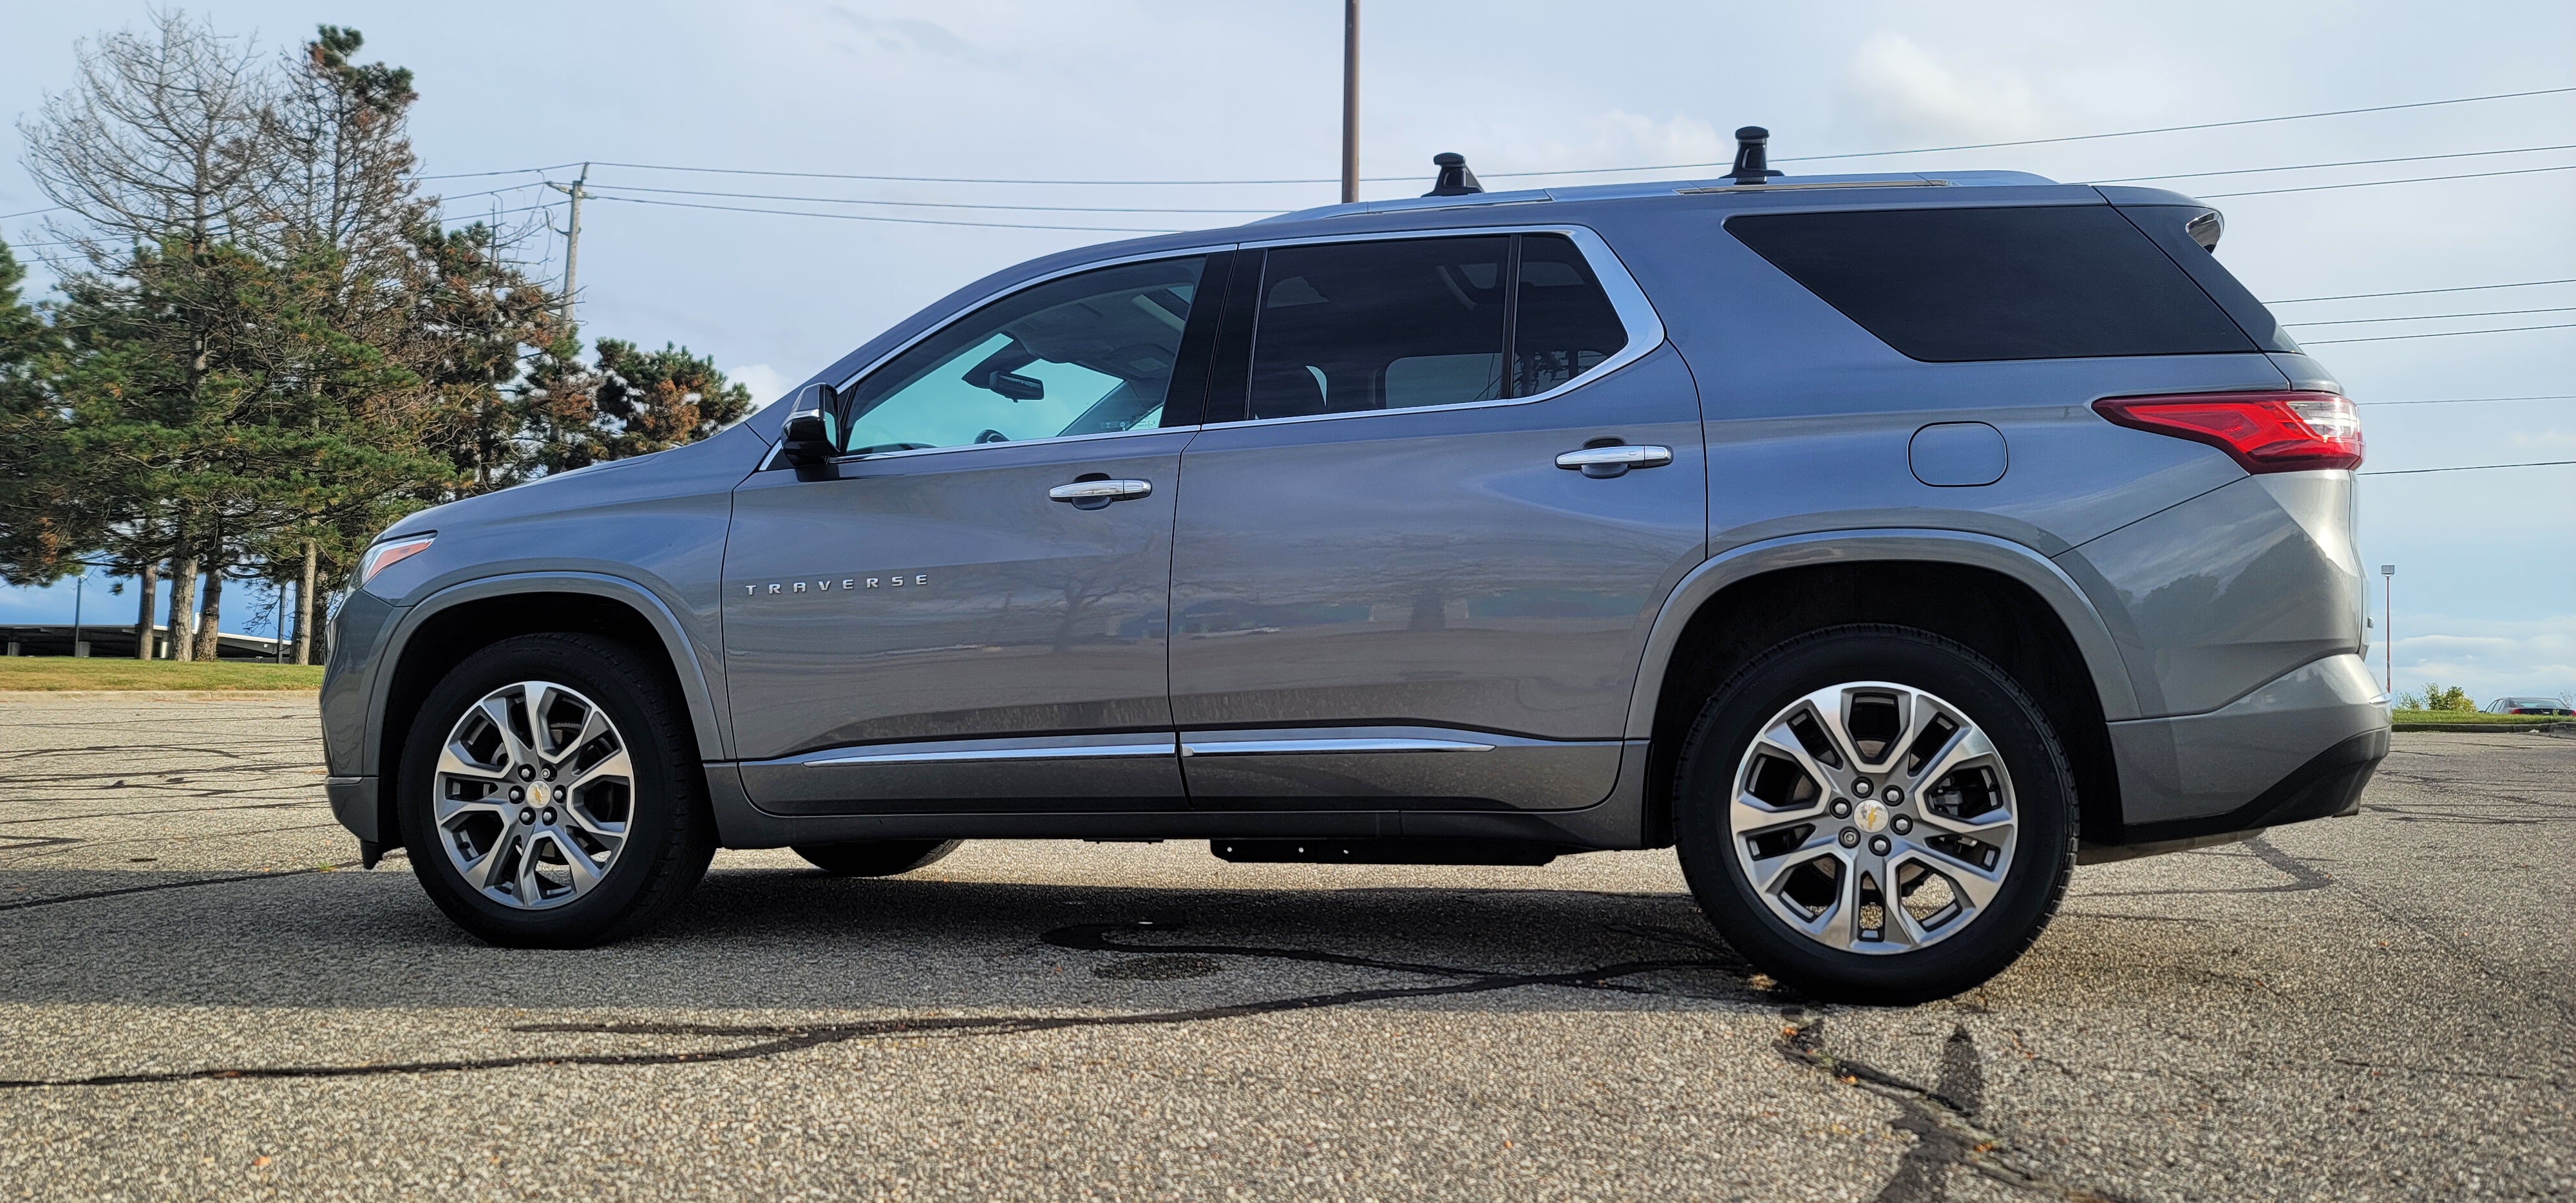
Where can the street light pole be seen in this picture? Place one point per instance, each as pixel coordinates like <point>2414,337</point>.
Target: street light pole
<point>1350,101</point>
<point>2387,625</point>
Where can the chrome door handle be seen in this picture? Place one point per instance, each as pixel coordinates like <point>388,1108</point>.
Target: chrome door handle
<point>1092,494</point>
<point>1601,462</point>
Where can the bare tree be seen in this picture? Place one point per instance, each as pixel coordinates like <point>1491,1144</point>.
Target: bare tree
<point>158,141</point>
<point>159,137</point>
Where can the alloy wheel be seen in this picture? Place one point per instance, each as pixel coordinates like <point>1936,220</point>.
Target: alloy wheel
<point>533,795</point>
<point>1873,818</point>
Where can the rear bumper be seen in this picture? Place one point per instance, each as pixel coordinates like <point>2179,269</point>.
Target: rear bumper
<point>2300,747</point>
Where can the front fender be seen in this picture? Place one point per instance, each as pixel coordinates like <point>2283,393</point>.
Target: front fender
<point>696,665</point>
<point>2082,621</point>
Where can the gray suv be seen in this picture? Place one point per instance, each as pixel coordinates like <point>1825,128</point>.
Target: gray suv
<point>1888,545</point>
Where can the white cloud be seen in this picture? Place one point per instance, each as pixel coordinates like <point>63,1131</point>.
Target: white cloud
<point>766,383</point>
<point>1899,92</point>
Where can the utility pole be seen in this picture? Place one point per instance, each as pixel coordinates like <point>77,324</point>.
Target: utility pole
<point>2388,625</point>
<point>1350,101</point>
<point>77,590</point>
<point>572,238</point>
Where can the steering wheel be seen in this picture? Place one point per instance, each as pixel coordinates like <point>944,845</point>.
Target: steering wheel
<point>992,436</point>
<point>884,447</point>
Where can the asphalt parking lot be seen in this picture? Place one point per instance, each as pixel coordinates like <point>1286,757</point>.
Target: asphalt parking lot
<point>201,996</point>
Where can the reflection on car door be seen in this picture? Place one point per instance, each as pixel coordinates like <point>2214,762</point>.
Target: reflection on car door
<point>971,610</point>
<point>1385,585</point>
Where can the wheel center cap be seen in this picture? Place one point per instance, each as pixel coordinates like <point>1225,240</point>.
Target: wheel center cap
<point>1872,816</point>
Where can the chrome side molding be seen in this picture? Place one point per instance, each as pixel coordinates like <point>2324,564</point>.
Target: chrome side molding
<point>1090,752</point>
<point>1292,747</point>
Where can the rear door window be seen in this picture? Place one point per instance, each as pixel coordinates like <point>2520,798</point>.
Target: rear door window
<point>1379,325</point>
<point>1954,285</point>
<point>1405,323</point>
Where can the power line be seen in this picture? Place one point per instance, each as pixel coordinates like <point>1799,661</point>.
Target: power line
<point>910,221</point>
<point>2382,338</point>
<point>2546,463</point>
<point>2466,154</point>
<point>29,213</point>
<point>944,179</point>
<point>838,200</point>
<point>2165,129</point>
<point>2471,400</point>
<point>2432,317</point>
<point>1864,154</point>
<point>2417,292</point>
<point>462,175</point>
<point>2420,179</point>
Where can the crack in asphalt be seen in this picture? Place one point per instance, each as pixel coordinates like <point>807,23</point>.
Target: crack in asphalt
<point>192,883</point>
<point>771,1040</point>
<point>1942,1119</point>
<point>173,810</point>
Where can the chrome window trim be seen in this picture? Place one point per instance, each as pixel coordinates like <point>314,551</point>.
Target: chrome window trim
<point>1636,314</point>
<point>1290,747</point>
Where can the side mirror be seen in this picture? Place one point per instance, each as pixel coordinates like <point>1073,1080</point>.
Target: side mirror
<point>807,439</point>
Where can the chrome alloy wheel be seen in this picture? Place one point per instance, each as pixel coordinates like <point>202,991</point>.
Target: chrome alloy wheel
<point>1873,818</point>
<point>533,795</point>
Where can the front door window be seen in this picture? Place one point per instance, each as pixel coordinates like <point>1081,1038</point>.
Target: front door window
<point>1087,354</point>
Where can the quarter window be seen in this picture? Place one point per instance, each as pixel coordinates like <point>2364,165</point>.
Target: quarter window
<point>1565,325</point>
<point>1961,284</point>
<point>1087,354</point>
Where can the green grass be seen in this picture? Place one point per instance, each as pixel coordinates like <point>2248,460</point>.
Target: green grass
<point>2438,720</point>
<point>64,672</point>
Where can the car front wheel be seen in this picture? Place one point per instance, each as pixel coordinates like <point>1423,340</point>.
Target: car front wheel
<point>1875,814</point>
<point>549,794</point>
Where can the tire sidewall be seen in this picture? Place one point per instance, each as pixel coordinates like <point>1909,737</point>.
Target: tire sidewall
<point>589,668</point>
<point>2043,795</point>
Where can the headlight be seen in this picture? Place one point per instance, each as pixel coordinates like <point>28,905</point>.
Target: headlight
<point>387,554</point>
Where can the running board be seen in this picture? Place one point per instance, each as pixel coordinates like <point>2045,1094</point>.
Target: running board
<point>1384,852</point>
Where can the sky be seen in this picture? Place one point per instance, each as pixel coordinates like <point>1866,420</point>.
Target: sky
<point>2485,590</point>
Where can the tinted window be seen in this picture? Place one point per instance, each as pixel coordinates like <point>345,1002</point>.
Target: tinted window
<point>2170,227</point>
<point>1379,325</point>
<point>1086,354</point>
<point>1405,323</point>
<point>1564,323</point>
<point>1947,285</point>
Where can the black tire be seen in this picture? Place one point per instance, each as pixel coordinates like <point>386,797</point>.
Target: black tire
<point>670,831</point>
<point>875,858</point>
<point>2043,855</point>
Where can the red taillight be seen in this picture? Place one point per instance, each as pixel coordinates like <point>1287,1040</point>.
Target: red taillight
<point>2264,432</point>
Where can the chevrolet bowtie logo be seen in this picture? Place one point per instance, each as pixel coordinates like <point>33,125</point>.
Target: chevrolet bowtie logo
<point>845,584</point>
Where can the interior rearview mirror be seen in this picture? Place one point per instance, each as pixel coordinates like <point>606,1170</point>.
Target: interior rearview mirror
<point>1018,387</point>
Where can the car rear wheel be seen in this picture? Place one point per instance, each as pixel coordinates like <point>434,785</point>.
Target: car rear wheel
<point>875,858</point>
<point>1875,814</point>
<point>550,796</point>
